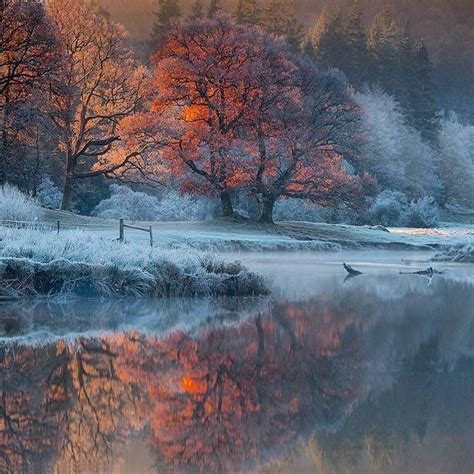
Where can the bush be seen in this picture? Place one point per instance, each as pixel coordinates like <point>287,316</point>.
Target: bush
<point>457,253</point>
<point>421,213</point>
<point>16,206</point>
<point>392,208</point>
<point>133,205</point>
<point>127,204</point>
<point>297,210</point>
<point>176,207</point>
<point>387,209</point>
<point>49,194</point>
<point>456,143</point>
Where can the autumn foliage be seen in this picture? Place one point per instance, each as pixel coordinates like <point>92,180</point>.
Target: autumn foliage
<point>242,113</point>
<point>227,108</point>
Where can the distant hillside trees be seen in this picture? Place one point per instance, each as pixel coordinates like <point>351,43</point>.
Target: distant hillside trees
<point>383,56</point>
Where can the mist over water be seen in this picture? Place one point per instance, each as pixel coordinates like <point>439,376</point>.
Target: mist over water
<point>369,374</point>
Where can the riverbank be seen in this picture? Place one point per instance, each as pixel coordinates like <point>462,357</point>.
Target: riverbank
<point>36,263</point>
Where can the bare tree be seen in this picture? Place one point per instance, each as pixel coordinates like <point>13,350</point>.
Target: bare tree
<point>101,85</point>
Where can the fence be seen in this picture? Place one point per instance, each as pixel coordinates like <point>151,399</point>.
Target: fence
<point>58,226</point>
<point>122,227</point>
<point>27,225</point>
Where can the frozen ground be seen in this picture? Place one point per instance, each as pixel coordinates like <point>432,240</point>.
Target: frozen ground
<point>221,235</point>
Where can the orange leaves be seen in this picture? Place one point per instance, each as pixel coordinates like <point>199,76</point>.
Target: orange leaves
<point>209,76</point>
<point>194,113</point>
<point>191,385</point>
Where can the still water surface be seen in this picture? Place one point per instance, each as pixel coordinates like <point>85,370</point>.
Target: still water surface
<point>329,375</point>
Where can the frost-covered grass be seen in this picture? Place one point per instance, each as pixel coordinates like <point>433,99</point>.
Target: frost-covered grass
<point>457,253</point>
<point>33,263</point>
<point>16,206</point>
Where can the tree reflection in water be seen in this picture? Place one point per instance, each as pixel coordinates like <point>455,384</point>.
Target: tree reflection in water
<point>344,383</point>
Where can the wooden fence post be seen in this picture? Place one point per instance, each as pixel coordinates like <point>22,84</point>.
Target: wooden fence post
<point>121,230</point>
<point>58,226</point>
<point>151,237</point>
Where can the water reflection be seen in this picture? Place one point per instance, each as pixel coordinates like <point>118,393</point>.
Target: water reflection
<point>358,377</point>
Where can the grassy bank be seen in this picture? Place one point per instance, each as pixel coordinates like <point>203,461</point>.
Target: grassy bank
<point>34,263</point>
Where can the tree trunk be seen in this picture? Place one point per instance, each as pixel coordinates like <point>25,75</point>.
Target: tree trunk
<point>226,202</point>
<point>4,151</point>
<point>66,204</point>
<point>267,210</point>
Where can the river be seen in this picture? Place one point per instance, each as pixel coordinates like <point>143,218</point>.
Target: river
<point>328,375</point>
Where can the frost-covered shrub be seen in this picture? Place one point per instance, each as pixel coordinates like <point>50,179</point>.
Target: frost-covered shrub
<point>456,143</point>
<point>394,152</point>
<point>297,210</point>
<point>458,253</point>
<point>16,206</point>
<point>176,207</point>
<point>392,208</point>
<point>49,194</point>
<point>387,209</point>
<point>134,205</point>
<point>127,204</point>
<point>421,213</point>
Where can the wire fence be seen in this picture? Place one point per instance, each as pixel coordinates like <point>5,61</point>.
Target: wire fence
<point>54,225</point>
<point>33,225</point>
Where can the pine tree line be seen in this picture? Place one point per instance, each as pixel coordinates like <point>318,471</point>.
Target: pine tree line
<point>383,56</point>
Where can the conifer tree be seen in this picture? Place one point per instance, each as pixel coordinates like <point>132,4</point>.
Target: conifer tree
<point>358,62</point>
<point>197,10</point>
<point>214,8</point>
<point>406,66</point>
<point>308,49</point>
<point>293,29</point>
<point>239,12</point>
<point>167,12</point>
<point>272,19</point>
<point>382,46</point>
<point>331,42</point>
<point>278,19</point>
<point>426,117</point>
<point>250,12</point>
<point>319,29</point>
<point>414,90</point>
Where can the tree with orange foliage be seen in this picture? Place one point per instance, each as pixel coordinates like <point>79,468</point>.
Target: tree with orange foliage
<point>249,115</point>
<point>208,77</point>
<point>301,137</point>
<point>101,85</point>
